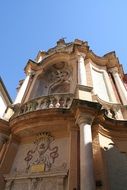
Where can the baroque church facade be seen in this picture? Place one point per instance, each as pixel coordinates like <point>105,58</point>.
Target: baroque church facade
<point>67,128</point>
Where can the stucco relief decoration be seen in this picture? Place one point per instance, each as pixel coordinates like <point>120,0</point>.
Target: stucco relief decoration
<point>59,79</point>
<point>54,79</point>
<point>43,152</point>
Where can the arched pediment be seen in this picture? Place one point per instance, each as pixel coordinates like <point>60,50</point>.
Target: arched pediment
<point>54,58</point>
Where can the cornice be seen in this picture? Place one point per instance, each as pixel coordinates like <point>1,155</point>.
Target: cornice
<point>105,104</point>
<point>55,57</point>
<point>31,65</point>
<point>117,124</point>
<point>83,106</point>
<point>51,118</point>
<point>113,134</point>
<point>110,127</point>
<point>109,60</point>
<point>101,61</point>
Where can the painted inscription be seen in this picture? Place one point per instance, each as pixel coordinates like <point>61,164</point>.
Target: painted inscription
<point>43,152</point>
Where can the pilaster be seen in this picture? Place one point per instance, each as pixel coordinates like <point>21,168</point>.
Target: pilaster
<point>73,161</point>
<point>81,70</point>
<point>23,87</point>
<point>119,84</point>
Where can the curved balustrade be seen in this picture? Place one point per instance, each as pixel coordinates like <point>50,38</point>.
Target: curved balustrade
<point>45,102</point>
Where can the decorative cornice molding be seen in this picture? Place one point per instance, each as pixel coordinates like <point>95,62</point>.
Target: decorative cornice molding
<point>85,88</point>
<point>77,47</point>
<point>113,70</point>
<point>62,173</point>
<point>113,133</point>
<point>105,104</point>
<point>111,127</point>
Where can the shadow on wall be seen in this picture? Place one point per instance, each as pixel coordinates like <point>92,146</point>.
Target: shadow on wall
<point>116,162</point>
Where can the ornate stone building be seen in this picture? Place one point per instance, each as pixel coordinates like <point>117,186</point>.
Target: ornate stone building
<point>67,128</point>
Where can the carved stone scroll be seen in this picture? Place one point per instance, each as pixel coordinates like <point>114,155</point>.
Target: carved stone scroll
<point>57,78</point>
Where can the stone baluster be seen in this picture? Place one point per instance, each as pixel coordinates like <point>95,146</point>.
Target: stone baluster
<point>68,102</point>
<point>64,101</point>
<point>45,104</point>
<point>57,101</point>
<point>39,101</point>
<point>87,181</point>
<point>119,84</point>
<point>51,102</point>
<point>61,101</point>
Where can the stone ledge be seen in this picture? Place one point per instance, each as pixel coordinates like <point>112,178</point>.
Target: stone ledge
<point>61,173</point>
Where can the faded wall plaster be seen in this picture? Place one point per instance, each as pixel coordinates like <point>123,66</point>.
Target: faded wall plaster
<point>20,164</point>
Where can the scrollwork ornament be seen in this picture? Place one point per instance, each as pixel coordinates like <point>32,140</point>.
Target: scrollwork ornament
<point>43,152</point>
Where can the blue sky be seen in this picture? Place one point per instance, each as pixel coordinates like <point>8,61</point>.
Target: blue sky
<point>28,26</point>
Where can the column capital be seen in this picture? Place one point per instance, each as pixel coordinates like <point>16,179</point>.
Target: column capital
<point>84,118</point>
<point>81,55</point>
<point>113,70</point>
<point>30,72</point>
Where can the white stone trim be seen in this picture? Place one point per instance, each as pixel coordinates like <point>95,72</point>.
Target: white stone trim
<point>120,86</point>
<point>87,180</point>
<point>81,71</point>
<point>108,85</point>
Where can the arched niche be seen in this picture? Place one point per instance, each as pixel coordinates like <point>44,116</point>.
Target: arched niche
<point>54,79</point>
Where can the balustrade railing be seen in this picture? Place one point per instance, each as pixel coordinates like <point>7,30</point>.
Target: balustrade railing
<point>45,102</point>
